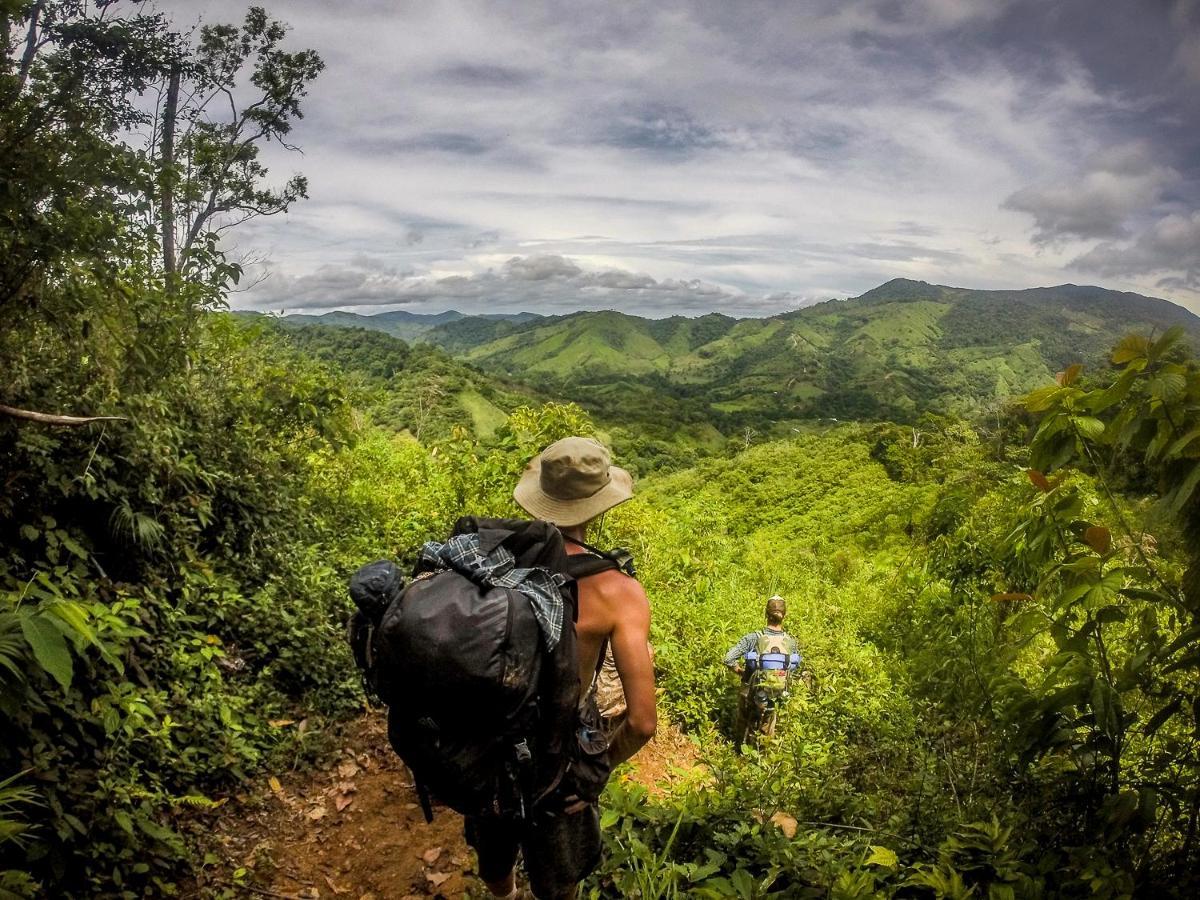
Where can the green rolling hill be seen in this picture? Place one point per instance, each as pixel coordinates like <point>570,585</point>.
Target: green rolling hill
<point>415,388</point>
<point>893,353</point>
<point>901,349</point>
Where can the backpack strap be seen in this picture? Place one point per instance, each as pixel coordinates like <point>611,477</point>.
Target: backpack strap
<point>426,800</point>
<point>621,558</point>
<point>584,565</point>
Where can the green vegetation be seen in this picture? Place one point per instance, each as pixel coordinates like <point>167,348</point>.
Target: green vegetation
<point>671,391</point>
<point>411,326</point>
<point>416,388</point>
<point>1005,662</point>
<point>1000,617</point>
<point>900,350</point>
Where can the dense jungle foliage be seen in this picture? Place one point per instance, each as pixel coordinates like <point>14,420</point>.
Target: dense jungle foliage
<point>1000,624</point>
<point>1004,699</point>
<point>415,388</point>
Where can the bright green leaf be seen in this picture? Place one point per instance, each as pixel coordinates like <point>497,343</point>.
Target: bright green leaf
<point>49,648</point>
<point>882,856</point>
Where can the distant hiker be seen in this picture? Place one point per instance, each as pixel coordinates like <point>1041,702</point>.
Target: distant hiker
<point>766,660</point>
<point>488,661</point>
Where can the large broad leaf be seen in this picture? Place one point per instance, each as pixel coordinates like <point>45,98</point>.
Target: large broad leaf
<point>1041,399</point>
<point>1131,347</point>
<point>49,648</point>
<point>1098,538</point>
<point>1189,440</point>
<point>1105,590</point>
<point>883,856</point>
<point>1039,480</point>
<point>1181,495</point>
<point>1098,401</point>
<point>1168,386</point>
<point>75,617</point>
<point>1088,426</point>
<point>1169,338</point>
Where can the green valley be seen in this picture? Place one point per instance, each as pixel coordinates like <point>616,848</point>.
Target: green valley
<point>893,353</point>
<point>900,350</point>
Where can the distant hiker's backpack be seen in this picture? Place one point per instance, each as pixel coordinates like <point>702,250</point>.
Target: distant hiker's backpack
<point>480,707</point>
<point>773,658</point>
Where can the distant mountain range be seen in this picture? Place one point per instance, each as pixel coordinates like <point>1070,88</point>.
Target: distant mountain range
<point>897,350</point>
<point>400,323</point>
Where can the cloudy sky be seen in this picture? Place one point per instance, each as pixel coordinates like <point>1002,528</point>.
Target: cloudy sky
<point>747,157</point>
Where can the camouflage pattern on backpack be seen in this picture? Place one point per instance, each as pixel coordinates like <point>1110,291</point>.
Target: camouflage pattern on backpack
<point>775,656</point>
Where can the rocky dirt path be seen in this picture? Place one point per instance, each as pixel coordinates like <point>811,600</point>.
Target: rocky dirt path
<point>356,831</point>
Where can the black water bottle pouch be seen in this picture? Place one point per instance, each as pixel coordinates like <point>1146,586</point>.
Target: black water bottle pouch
<point>589,769</point>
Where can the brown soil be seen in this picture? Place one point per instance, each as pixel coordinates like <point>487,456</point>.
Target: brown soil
<point>356,830</point>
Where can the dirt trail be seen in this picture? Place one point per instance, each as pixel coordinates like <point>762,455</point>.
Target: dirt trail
<point>356,830</point>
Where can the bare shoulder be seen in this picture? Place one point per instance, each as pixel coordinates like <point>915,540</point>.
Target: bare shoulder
<point>618,585</point>
<point>624,597</point>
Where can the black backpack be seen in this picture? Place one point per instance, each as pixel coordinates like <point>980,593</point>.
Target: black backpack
<point>481,711</point>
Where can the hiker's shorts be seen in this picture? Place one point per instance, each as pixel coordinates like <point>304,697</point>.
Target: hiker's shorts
<point>560,849</point>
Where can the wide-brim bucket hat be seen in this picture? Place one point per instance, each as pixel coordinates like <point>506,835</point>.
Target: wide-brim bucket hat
<point>571,482</point>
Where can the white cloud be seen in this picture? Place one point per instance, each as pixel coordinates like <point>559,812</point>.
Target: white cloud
<point>758,147</point>
<point>547,283</point>
<point>1170,248</point>
<point>1115,184</point>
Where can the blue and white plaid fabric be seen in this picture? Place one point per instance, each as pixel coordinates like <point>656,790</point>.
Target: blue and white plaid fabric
<point>463,554</point>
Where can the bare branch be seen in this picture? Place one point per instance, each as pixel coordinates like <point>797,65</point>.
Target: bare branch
<point>49,419</point>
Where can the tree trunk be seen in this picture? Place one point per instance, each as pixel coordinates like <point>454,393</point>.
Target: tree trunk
<point>31,43</point>
<point>167,178</point>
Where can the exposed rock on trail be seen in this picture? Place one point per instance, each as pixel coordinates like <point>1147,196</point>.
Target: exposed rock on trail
<point>356,830</point>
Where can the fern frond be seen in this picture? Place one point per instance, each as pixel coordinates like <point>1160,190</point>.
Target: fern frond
<point>128,524</point>
<point>12,796</point>
<point>12,645</point>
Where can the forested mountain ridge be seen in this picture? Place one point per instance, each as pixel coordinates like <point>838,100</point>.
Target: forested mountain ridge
<point>901,349</point>
<point>400,323</point>
<point>412,387</point>
<point>980,318</point>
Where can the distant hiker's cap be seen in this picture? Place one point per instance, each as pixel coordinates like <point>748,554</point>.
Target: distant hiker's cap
<point>776,606</point>
<point>572,481</point>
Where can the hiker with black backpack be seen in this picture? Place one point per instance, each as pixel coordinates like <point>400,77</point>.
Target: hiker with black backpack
<point>766,661</point>
<point>487,661</point>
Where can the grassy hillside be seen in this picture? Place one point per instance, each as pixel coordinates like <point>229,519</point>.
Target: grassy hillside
<point>416,388</point>
<point>901,349</point>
